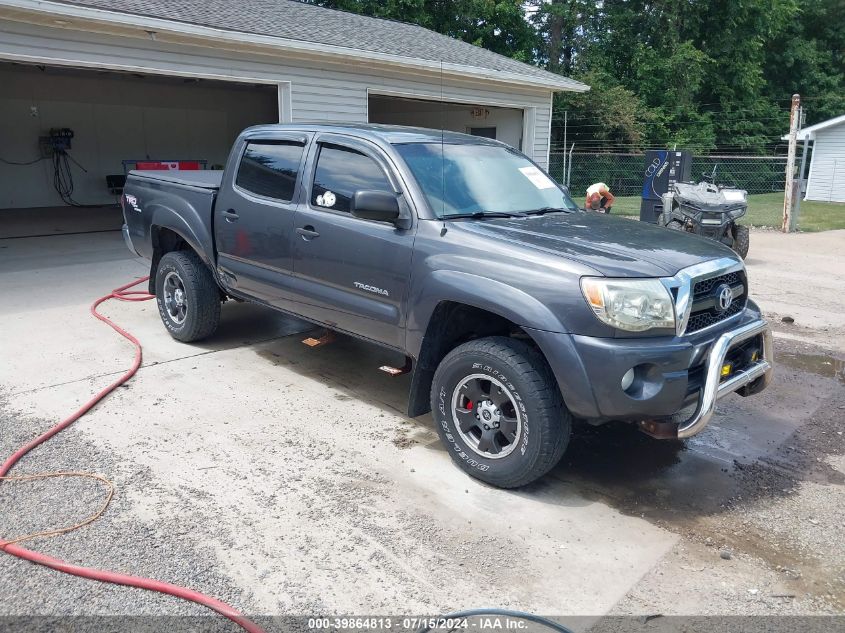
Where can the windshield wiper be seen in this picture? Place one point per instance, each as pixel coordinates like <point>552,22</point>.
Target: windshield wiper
<point>545,210</point>
<point>484,214</point>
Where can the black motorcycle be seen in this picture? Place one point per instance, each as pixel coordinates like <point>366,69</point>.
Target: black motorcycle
<point>708,210</point>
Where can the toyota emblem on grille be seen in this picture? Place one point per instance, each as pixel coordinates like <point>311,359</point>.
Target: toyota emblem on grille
<point>724,297</point>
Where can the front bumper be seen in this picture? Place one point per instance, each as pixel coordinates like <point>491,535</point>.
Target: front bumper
<point>671,373</point>
<point>714,387</point>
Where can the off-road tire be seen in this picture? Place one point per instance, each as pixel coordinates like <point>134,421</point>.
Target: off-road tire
<point>546,422</point>
<point>202,296</point>
<point>676,225</point>
<point>742,240</point>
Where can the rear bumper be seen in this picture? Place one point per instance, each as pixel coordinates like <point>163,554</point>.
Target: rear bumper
<point>670,374</point>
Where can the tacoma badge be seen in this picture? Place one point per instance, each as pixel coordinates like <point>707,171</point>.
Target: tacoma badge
<point>378,291</point>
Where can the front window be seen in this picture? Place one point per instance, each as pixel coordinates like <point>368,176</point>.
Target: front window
<point>460,179</point>
<point>341,171</point>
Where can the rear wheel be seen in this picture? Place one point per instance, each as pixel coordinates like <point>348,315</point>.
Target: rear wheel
<point>742,240</point>
<point>499,412</point>
<point>187,296</point>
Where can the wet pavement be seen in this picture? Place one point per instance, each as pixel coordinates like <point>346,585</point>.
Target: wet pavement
<point>819,364</point>
<point>737,485</point>
<point>625,463</point>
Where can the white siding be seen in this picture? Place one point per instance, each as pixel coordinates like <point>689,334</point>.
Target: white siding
<point>826,181</point>
<point>319,91</point>
<point>451,116</point>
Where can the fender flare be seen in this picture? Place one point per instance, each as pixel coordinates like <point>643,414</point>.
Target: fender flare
<point>487,294</point>
<point>467,289</point>
<point>163,217</point>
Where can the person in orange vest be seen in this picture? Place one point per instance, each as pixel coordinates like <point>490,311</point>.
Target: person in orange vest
<point>599,198</point>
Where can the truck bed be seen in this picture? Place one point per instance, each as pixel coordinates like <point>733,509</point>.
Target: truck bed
<point>205,179</point>
<point>184,199</point>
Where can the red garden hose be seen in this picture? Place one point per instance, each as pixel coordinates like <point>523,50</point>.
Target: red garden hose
<point>123,294</point>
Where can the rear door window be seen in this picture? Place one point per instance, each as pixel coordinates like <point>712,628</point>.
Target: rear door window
<point>270,168</point>
<point>341,172</point>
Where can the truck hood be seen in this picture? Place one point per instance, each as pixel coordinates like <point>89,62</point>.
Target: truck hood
<point>613,246</point>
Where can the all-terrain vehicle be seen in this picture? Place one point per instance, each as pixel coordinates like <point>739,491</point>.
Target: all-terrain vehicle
<point>708,210</point>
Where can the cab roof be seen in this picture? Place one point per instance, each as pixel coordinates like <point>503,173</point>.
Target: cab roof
<point>392,134</point>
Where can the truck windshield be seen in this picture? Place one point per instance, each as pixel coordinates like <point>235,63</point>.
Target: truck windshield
<point>466,179</point>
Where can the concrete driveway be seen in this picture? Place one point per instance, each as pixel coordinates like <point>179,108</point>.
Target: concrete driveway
<point>294,469</point>
<point>287,479</point>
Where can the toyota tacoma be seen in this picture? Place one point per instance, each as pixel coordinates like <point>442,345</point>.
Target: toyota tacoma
<point>517,311</point>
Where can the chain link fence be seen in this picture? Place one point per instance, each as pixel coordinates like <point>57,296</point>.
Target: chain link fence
<point>623,173</point>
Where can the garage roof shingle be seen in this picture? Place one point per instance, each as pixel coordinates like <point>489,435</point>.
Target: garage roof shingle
<point>293,20</point>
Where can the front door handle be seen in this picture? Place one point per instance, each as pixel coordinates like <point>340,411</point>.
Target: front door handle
<point>230,215</point>
<point>307,232</point>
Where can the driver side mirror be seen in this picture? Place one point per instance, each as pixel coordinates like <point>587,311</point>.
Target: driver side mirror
<point>381,206</point>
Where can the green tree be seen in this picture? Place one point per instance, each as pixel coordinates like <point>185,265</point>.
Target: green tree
<point>563,32</point>
<point>670,86</point>
<point>808,57</point>
<point>497,25</point>
<point>609,117</point>
<point>699,74</point>
<point>697,66</point>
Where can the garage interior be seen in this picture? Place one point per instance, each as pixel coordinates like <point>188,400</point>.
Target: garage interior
<point>101,121</point>
<point>504,124</point>
<point>115,118</point>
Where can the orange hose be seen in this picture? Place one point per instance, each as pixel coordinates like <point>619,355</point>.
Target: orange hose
<point>123,294</point>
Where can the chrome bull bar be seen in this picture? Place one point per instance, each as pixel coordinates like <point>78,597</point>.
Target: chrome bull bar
<point>714,388</point>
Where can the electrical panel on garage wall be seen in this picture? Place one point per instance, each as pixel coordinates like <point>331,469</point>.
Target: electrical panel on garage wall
<point>58,140</point>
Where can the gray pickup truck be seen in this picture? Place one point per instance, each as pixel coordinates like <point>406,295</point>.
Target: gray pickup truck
<point>517,311</point>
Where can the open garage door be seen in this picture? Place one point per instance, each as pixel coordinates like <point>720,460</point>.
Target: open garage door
<point>110,122</point>
<point>504,124</point>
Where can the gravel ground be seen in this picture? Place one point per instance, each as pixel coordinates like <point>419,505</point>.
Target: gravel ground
<point>164,549</point>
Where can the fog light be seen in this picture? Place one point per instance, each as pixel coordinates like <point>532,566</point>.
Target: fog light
<point>726,369</point>
<point>628,379</point>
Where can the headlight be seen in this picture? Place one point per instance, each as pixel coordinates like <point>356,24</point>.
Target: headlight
<point>634,305</point>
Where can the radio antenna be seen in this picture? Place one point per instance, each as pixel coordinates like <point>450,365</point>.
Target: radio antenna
<point>442,153</point>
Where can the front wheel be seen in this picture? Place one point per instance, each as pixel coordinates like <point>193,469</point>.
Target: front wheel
<point>187,296</point>
<point>742,240</point>
<point>499,412</point>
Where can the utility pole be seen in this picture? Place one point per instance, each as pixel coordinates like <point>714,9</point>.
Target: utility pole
<point>789,185</point>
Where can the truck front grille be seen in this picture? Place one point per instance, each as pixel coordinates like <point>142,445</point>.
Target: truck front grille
<point>705,286</point>
<point>706,310</point>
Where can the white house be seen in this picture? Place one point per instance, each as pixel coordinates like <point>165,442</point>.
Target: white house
<point>176,80</point>
<point>826,180</point>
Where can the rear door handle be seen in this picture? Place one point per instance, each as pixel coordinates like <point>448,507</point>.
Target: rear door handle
<point>230,215</point>
<point>307,232</point>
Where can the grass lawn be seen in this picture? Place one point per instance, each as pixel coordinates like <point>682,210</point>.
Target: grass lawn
<point>766,209</point>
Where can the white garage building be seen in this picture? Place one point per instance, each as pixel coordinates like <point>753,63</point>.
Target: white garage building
<point>826,180</point>
<point>156,81</point>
